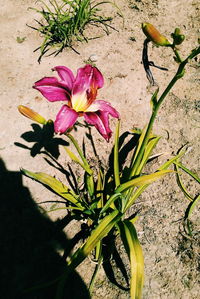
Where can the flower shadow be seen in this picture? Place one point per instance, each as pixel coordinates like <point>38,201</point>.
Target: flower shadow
<point>43,139</point>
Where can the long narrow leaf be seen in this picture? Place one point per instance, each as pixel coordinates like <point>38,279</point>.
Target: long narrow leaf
<point>188,213</point>
<point>137,150</point>
<point>181,185</point>
<point>100,188</point>
<point>193,175</point>
<point>191,207</point>
<point>134,251</point>
<point>110,201</point>
<point>142,180</point>
<point>171,161</point>
<point>133,198</point>
<point>54,184</point>
<point>148,150</point>
<point>73,156</point>
<point>98,234</point>
<point>98,258</point>
<point>116,156</point>
<point>85,162</point>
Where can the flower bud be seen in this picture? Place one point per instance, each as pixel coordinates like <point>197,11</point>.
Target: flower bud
<point>31,114</point>
<point>154,35</point>
<point>177,37</point>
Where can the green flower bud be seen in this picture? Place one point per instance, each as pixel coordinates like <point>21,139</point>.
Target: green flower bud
<point>177,37</point>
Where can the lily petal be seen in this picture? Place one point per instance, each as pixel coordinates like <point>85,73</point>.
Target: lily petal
<point>84,92</point>
<point>65,75</point>
<point>100,120</point>
<point>103,106</point>
<point>52,90</point>
<point>87,77</point>
<point>53,93</point>
<point>65,119</point>
<point>46,81</point>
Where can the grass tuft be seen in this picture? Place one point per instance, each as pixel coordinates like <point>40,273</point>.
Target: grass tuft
<point>64,23</point>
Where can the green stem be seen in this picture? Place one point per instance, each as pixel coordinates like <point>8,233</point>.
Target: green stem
<point>178,57</point>
<point>75,143</point>
<point>179,74</point>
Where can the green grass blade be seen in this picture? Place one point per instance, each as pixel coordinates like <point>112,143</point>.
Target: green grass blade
<point>97,267</point>
<point>101,231</point>
<point>188,213</point>
<point>113,4</point>
<point>90,184</point>
<point>99,258</point>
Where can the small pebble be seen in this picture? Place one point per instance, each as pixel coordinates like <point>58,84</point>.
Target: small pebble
<point>93,58</point>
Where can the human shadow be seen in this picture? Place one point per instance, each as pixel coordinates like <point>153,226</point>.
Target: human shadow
<point>29,246</point>
<point>43,139</point>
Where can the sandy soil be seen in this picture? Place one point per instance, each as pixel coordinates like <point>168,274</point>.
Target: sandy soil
<point>171,260</point>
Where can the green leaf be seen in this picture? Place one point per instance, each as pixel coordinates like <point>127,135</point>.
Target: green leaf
<point>90,184</point>
<point>103,228</point>
<point>76,160</point>
<point>188,213</point>
<point>100,231</point>
<point>193,175</point>
<point>171,161</point>
<point>54,184</point>
<point>133,198</point>
<point>116,156</point>
<point>148,150</point>
<point>142,180</point>
<point>134,250</point>
<point>110,201</point>
<point>73,156</point>
<point>85,162</point>
<point>191,207</point>
<point>65,208</point>
<point>100,188</point>
<point>137,150</point>
<point>181,185</point>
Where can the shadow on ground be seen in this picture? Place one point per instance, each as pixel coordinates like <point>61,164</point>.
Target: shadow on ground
<point>29,244</point>
<point>43,139</point>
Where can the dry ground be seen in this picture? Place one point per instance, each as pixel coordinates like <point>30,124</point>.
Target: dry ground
<point>171,260</point>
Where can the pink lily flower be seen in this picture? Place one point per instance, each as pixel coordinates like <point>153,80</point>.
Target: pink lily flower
<point>80,96</point>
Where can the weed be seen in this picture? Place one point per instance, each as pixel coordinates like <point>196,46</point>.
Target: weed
<point>64,24</point>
